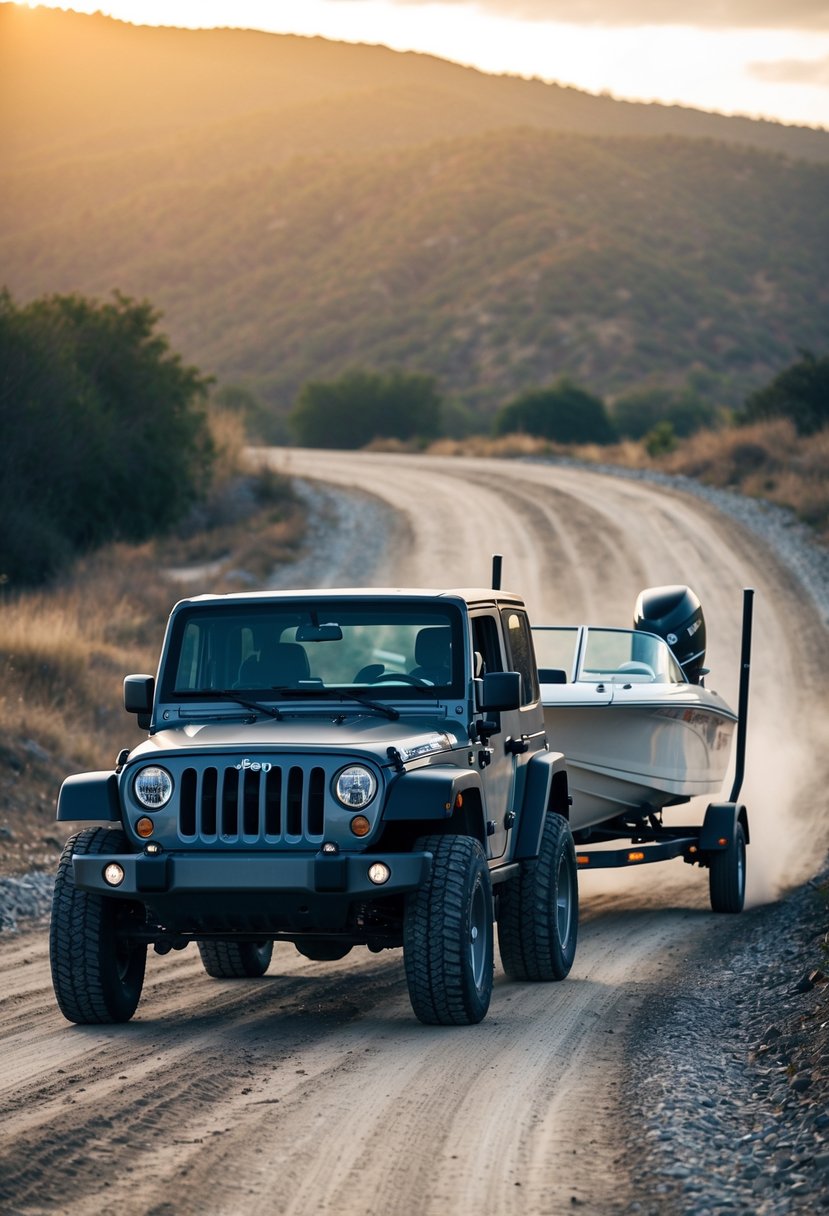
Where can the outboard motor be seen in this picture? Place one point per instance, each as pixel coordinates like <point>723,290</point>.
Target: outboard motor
<point>675,614</point>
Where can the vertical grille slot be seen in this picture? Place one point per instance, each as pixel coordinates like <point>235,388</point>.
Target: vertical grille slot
<point>250,804</point>
<point>230,802</point>
<point>316,802</point>
<point>294,824</point>
<point>209,786</point>
<point>187,820</point>
<point>273,802</point>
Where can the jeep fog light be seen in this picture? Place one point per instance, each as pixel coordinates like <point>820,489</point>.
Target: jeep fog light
<point>153,787</point>
<point>379,873</point>
<point>355,786</point>
<point>114,874</point>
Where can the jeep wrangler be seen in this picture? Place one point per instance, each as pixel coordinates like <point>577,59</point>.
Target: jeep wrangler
<point>328,768</point>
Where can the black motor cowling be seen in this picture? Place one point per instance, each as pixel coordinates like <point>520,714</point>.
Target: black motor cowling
<point>675,614</point>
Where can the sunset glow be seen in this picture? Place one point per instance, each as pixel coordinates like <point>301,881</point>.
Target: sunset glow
<point>781,73</point>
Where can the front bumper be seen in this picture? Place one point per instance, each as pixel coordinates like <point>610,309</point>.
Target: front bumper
<point>260,875</point>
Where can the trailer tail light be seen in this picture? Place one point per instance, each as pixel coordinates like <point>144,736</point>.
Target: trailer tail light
<point>636,856</point>
<point>723,840</point>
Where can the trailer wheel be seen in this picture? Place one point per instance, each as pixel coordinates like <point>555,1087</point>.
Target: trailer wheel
<point>727,874</point>
<point>538,910</point>
<point>235,960</point>
<point>97,972</point>
<point>448,935</point>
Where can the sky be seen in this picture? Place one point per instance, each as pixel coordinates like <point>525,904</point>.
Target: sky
<point>764,58</point>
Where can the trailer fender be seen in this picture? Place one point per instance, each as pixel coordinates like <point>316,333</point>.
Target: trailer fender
<point>431,793</point>
<point>545,789</point>
<point>89,797</point>
<point>721,819</point>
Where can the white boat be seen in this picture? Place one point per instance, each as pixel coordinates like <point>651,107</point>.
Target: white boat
<point>641,734</point>
<point>638,736</point>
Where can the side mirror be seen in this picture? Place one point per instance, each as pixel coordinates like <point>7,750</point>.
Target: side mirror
<point>502,690</point>
<point>138,697</point>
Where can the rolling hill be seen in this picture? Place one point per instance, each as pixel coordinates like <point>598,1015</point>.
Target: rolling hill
<point>297,206</point>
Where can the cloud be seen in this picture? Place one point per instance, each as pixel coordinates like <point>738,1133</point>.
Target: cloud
<point>722,14</point>
<point>793,71</point>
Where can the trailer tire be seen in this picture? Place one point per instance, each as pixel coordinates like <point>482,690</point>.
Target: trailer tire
<point>727,874</point>
<point>227,960</point>
<point>97,972</point>
<point>538,910</point>
<point>448,934</point>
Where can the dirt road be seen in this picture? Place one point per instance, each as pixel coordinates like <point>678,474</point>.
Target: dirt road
<point>313,1089</point>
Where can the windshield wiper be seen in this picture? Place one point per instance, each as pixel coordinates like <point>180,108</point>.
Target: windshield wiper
<point>227,694</point>
<point>330,694</point>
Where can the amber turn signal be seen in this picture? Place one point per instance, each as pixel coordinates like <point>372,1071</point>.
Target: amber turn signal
<point>144,827</point>
<point>360,826</point>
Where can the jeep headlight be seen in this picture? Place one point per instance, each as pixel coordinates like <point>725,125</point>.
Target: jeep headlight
<point>355,786</point>
<point>153,787</point>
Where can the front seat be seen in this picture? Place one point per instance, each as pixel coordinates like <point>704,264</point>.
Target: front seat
<point>433,654</point>
<point>283,666</point>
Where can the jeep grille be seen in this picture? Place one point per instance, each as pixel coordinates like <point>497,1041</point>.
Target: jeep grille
<point>286,803</point>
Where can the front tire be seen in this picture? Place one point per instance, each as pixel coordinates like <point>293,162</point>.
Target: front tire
<point>97,972</point>
<point>727,874</point>
<point>538,910</point>
<point>227,960</point>
<point>448,935</point>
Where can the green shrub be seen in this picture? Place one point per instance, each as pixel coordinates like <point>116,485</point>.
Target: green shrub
<point>564,412</point>
<point>104,431</point>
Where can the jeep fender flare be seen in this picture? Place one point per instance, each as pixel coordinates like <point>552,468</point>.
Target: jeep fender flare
<point>89,797</point>
<point>545,790</point>
<point>430,793</point>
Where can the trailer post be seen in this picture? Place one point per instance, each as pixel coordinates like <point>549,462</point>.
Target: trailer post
<point>742,708</point>
<point>496,571</point>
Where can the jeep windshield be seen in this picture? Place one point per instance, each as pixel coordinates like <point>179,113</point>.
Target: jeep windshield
<point>333,650</point>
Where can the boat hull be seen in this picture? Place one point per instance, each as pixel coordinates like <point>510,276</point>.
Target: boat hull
<point>637,757</point>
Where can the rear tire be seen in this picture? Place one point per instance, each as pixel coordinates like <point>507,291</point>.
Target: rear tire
<point>448,935</point>
<point>538,910</point>
<point>235,960</point>
<point>727,875</point>
<point>97,972</point>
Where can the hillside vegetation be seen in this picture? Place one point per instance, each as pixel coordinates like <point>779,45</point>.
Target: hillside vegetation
<point>296,208</point>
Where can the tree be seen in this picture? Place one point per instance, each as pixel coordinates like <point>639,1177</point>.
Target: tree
<point>637,413</point>
<point>564,413</point>
<point>362,405</point>
<point>800,392</point>
<point>103,432</point>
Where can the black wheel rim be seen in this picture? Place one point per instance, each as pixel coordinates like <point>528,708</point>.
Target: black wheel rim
<point>564,900</point>
<point>479,927</point>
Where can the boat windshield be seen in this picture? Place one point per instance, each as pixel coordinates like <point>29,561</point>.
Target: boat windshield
<point>588,655</point>
<point>394,650</point>
<point>627,655</point>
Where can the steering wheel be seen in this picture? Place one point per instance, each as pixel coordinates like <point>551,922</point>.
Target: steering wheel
<point>398,677</point>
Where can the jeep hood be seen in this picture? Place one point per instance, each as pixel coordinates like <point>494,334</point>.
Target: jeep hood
<point>365,733</point>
